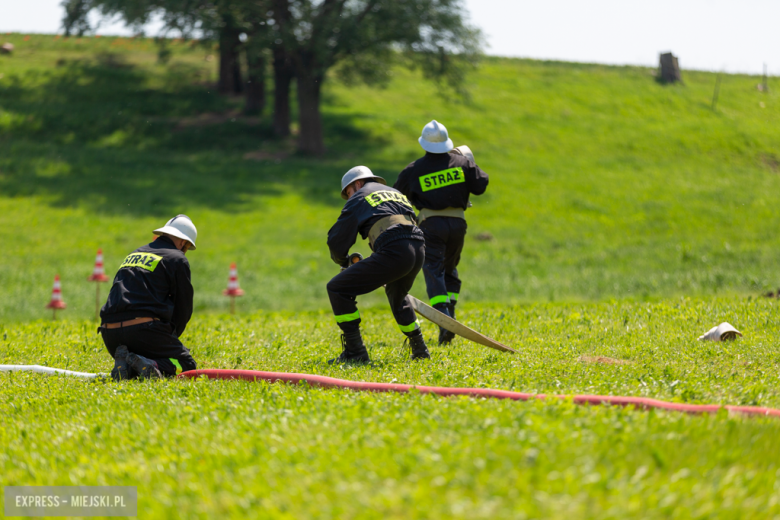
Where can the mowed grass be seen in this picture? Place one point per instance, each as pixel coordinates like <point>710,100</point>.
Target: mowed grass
<point>604,183</point>
<point>242,450</point>
<point>235,449</point>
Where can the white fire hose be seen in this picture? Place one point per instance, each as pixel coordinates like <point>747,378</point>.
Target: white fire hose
<point>48,370</point>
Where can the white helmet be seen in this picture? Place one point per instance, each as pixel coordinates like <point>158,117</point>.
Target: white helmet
<point>355,174</point>
<point>180,226</point>
<point>435,139</point>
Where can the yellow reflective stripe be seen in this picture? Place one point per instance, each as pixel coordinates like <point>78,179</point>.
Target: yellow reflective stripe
<point>378,197</point>
<point>341,318</point>
<point>175,362</point>
<point>453,296</point>
<point>146,261</point>
<point>410,328</point>
<point>440,299</point>
<point>443,178</point>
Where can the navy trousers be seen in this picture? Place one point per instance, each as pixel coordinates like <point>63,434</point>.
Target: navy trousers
<point>444,238</point>
<point>153,340</point>
<point>395,266</point>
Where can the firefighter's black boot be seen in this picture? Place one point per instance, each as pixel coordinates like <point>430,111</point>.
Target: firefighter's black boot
<point>121,370</point>
<point>419,349</point>
<point>354,351</point>
<point>445,336</point>
<point>144,367</point>
<point>452,309</point>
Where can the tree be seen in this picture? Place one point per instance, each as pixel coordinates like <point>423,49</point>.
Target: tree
<point>224,21</point>
<point>75,20</point>
<point>262,42</point>
<point>229,54</point>
<point>255,78</point>
<point>308,38</point>
<point>284,69</point>
<point>217,19</point>
<point>368,37</point>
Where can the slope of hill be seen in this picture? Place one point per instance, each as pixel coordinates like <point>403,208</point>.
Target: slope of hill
<point>604,183</point>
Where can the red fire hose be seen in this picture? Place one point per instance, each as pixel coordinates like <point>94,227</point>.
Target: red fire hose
<point>642,403</point>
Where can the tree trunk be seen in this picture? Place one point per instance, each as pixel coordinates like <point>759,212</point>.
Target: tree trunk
<point>309,119</point>
<point>255,84</point>
<point>229,63</point>
<point>283,75</point>
<point>238,84</point>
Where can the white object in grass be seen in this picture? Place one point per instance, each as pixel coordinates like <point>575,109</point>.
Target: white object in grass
<point>724,331</point>
<point>48,370</point>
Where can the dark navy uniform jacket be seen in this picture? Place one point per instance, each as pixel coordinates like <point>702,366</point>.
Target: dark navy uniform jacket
<point>370,203</point>
<point>441,180</point>
<point>154,282</point>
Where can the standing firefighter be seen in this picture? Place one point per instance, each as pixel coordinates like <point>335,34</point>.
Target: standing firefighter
<point>150,304</point>
<point>439,185</point>
<point>385,217</point>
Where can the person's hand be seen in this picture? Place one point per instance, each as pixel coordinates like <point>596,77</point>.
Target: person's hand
<point>185,246</point>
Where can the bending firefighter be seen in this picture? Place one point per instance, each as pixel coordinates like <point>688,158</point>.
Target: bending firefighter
<point>385,217</point>
<point>150,304</point>
<point>439,185</point>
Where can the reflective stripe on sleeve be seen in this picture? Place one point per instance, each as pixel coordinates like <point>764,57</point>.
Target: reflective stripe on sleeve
<point>177,365</point>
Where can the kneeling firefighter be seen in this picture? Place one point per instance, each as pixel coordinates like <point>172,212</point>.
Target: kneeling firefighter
<point>439,185</point>
<point>150,304</point>
<point>385,217</point>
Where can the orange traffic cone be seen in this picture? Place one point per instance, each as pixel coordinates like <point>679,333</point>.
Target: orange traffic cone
<point>98,276</point>
<point>98,273</point>
<point>232,289</point>
<point>56,297</point>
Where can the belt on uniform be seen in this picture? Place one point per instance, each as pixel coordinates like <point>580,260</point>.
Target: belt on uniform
<point>446,212</point>
<point>128,323</point>
<point>381,225</point>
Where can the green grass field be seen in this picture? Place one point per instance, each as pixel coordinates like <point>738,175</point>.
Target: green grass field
<point>590,166</point>
<point>234,449</point>
<point>624,218</point>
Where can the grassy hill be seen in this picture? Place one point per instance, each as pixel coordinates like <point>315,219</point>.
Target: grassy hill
<point>607,189</point>
<point>604,183</point>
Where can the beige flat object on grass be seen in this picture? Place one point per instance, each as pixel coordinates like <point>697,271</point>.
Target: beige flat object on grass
<point>724,331</point>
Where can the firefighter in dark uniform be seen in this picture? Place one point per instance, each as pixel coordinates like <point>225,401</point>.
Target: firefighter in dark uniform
<point>439,185</point>
<point>149,306</point>
<point>385,217</point>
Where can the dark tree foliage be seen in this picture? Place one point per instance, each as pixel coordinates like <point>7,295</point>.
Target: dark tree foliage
<point>223,21</point>
<point>255,78</point>
<point>75,19</point>
<point>362,40</point>
<point>284,68</point>
<point>229,55</point>
<point>368,37</point>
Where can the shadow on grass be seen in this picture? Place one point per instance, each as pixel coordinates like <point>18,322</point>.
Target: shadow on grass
<point>96,133</point>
